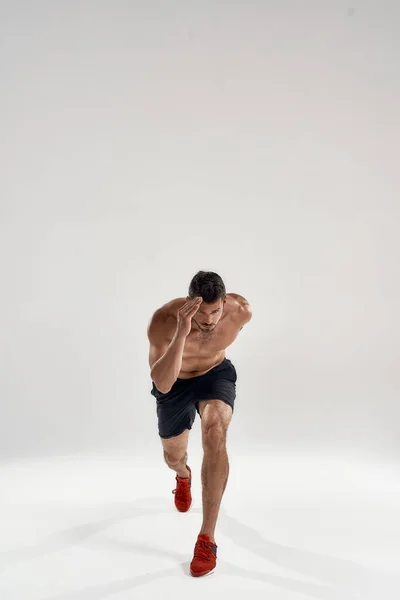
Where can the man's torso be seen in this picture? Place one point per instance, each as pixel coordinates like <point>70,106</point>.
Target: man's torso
<point>203,350</point>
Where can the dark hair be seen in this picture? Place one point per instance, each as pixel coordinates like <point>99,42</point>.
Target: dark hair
<point>208,285</point>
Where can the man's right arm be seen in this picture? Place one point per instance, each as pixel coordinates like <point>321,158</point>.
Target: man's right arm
<point>165,358</point>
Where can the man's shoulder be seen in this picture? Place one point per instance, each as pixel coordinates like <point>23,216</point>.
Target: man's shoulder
<point>240,308</point>
<point>169,309</point>
<point>163,320</point>
<point>237,299</point>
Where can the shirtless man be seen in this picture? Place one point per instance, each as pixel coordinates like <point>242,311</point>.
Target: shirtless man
<point>189,371</point>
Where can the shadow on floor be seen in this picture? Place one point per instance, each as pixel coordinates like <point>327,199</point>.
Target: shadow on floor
<point>340,579</point>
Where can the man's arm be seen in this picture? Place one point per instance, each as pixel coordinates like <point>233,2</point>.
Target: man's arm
<point>165,358</point>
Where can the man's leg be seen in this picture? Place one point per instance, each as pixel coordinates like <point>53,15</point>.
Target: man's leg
<point>215,418</point>
<point>175,453</point>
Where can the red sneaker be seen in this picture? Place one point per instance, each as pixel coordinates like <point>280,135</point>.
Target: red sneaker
<point>183,496</point>
<point>205,556</point>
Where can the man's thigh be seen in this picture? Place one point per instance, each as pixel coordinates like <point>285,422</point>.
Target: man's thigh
<point>214,412</point>
<point>176,446</point>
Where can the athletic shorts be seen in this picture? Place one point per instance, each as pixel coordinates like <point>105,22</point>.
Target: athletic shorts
<point>176,410</point>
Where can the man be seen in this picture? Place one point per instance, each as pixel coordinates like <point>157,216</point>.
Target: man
<point>189,371</point>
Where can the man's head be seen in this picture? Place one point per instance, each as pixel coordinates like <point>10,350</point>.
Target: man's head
<point>211,288</point>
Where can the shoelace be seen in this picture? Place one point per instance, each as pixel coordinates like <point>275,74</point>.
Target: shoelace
<point>202,550</point>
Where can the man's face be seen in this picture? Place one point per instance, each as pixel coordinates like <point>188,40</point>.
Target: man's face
<point>208,315</point>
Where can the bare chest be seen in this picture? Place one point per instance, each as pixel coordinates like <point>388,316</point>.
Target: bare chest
<point>200,341</point>
<point>203,350</point>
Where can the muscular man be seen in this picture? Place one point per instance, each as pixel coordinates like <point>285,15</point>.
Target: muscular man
<point>189,371</point>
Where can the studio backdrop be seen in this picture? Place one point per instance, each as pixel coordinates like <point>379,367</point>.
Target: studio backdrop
<point>143,141</point>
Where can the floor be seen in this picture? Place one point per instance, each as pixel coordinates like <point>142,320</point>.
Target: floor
<point>290,527</point>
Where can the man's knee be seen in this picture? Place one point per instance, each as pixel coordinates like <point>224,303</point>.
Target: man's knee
<point>174,457</point>
<point>175,448</point>
<point>214,436</point>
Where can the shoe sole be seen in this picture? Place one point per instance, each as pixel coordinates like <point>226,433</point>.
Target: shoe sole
<point>202,574</point>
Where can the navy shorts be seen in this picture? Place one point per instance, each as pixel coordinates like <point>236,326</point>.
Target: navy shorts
<point>176,410</point>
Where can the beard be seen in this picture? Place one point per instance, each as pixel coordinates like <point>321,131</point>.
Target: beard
<point>204,329</point>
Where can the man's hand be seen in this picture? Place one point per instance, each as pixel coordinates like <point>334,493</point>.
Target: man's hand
<point>185,314</point>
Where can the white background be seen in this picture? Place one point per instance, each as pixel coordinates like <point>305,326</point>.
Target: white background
<point>143,141</point>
